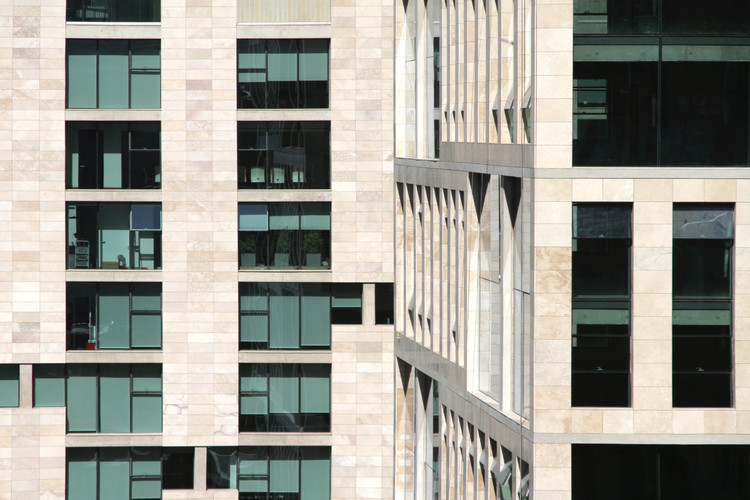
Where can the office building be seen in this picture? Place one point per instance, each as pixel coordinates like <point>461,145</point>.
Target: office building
<point>196,249</point>
<point>340,249</point>
<point>571,262</point>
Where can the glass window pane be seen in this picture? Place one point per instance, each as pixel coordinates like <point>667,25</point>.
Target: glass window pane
<point>114,474</point>
<point>254,405</point>
<point>282,60</point>
<point>146,331</point>
<point>704,113</point>
<point>284,319</point>
<point>254,328</point>
<point>614,117</point>
<point>81,481</point>
<point>147,412</point>
<point>315,216</point>
<point>253,217</point>
<point>251,54</point>
<point>284,473</point>
<point>145,217</point>
<point>82,398</point>
<point>592,220</point>
<point>49,385</point>
<point>146,462</point>
<point>283,389</point>
<point>9,385</point>
<point>346,295</point>
<point>313,60</point>
<point>145,54</point>
<point>114,398</point>
<point>315,474</point>
<point>284,216</point>
<point>253,297</point>
<point>253,378</point>
<point>315,388</point>
<point>146,296</point>
<point>112,145</point>
<point>145,89</point>
<point>146,378</point>
<point>146,489</point>
<point>701,268</point>
<point>113,331</point>
<point>113,74</point>
<point>81,74</point>
<point>315,310</point>
<point>703,221</point>
<point>601,267</point>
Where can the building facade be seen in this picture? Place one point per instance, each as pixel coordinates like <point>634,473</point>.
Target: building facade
<point>197,249</point>
<point>571,206</point>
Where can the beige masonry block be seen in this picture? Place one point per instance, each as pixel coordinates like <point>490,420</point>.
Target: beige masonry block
<point>553,190</point>
<point>720,190</point>
<point>617,421</point>
<point>617,190</point>
<point>652,190</point>
<point>692,190</point>
<point>652,398</point>
<point>652,422</point>
<point>587,190</point>
<point>586,421</point>
<point>720,421</point>
<point>688,421</point>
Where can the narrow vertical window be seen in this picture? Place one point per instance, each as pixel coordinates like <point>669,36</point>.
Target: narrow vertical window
<point>602,243</point>
<point>702,305</point>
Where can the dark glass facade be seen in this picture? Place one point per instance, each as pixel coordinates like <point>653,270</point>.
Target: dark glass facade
<point>661,83</point>
<point>602,240</point>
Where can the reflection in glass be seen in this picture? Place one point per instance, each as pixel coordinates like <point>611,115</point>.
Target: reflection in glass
<point>284,155</point>
<point>113,155</point>
<point>114,236</point>
<point>286,235</point>
<point>113,316</point>
<point>282,73</point>
<point>285,398</point>
<point>601,305</point>
<point>119,11</point>
<point>614,119</point>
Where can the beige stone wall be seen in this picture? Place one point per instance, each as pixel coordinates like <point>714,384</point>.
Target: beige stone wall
<point>199,199</point>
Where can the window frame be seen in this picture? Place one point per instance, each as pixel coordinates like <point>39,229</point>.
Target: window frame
<point>620,238</point>
<point>97,74</point>
<point>133,394</point>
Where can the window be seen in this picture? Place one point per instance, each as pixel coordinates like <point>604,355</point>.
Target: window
<point>9,385</point>
<point>114,235</point>
<point>646,17</point>
<point>113,74</point>
<point>114,315</point>
<point>702,305</point>
<point>113,397</point>
<point>657,99</point>
<point>623,472</point>
<point>49,385</point>
<point>295,315</point>
<point>127,473</point>
<point>384,303</point>
<point>278,472</point>
<point>285,235</point>
<point>119,11</point>
<point>282,73</point>
<point>113,155</point>
<point>285,398</point>
<point>284,155</point>
<point>601,304</point>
